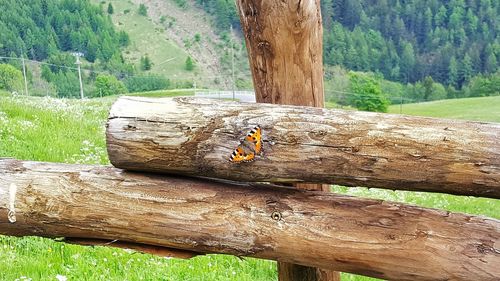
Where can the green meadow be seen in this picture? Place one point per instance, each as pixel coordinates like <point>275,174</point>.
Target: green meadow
<point>478,109</point>
<point>72,131</point>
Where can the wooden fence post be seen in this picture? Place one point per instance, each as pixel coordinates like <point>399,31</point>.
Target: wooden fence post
<point>284,44</point>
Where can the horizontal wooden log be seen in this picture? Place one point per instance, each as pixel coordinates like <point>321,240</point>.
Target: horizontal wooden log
<point>311,228</point>
<point>195,137</point>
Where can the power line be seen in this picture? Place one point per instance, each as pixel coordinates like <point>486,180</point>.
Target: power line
<point>343,94</point>
<point>110,72</point>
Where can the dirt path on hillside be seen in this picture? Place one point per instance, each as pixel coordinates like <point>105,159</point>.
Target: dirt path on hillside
<point>189,22</point>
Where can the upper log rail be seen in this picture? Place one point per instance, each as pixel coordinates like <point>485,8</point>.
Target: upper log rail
<point>195,137</point>
<point>312,228</point>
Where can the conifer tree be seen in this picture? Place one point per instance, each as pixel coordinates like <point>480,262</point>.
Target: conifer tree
<point>110,9</point>
<point>145,63</point>
<point>453,73</point>
<point>189,64</point>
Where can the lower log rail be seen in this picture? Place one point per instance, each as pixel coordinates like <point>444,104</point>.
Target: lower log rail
<point>363,236</point>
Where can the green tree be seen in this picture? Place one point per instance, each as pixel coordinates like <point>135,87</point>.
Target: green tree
<point>427,27</point>
<point>428,84</point>
<point>110,9</point>
<point>11,78</point>
<point>484,85</point>
<point>189,65</point>
<point>440,17</point>
<point>181,3</point>
<point>123,38</point>
<point>491,63</point>
<point>146,63</point>
<point>143,10</point>
<point>106,85</point>
<point>327,13</point>
<point>472,22</point>
<point>118,66</point>
<point>352,59</point>
<point>453,73</point>
<point>197,38</point>
<point>367,93</point>
<point>438,92</point>
<point>352,13</point>
<point>335,45</point>
<point>465,71</point>
<point>407,61</point>
<point>92,47</point>
<point>146,83</point>
<point>67,84</point>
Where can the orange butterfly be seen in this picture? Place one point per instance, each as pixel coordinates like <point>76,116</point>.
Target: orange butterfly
<point>250,146</point>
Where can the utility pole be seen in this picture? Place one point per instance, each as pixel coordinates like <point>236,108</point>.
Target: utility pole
<point>232,58</point>
<point>24,75</point>
<point>78,62</point>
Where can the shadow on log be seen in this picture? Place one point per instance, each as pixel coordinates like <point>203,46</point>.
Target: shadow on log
<point>317,229</point>
<point>195,137</point>
<point>143,248</point>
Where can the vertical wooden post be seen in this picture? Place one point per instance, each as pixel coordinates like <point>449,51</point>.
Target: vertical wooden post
<point>284,42</point>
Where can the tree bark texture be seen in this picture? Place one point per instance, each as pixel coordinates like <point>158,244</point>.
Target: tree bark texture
<point>195,137</point>
<point>311,228</point>
<point>284,41</point>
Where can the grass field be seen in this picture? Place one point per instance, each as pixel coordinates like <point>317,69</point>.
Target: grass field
<point>72,131</point>
<point>165,93</point>
<point>479,109</point>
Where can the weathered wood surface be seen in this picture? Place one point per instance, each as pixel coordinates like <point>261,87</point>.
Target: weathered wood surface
<point>284,40</point>
<point>195,137</point>
<point>317,229</point>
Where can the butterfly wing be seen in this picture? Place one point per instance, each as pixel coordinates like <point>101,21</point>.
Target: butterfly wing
<point>249,147</point>
<point>255,137</point>
<point>237,156</point>
<point>249,157</point>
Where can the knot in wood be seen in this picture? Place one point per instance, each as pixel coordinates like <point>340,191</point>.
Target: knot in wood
<point>11,215</point>
<point>276,216</point>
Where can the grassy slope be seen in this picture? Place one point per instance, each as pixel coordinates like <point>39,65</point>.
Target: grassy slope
<point>148,38</point>
<point>72,131</point>
<point>479,109</point>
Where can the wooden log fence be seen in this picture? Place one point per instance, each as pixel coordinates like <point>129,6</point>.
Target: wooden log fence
<point>195,137</point>
<point>312,228</point>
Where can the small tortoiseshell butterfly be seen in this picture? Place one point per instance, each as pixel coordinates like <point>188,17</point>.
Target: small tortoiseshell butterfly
<point>250,146</point>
